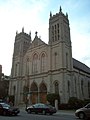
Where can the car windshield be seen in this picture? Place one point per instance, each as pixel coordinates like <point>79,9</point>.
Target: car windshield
<point>5,105</point>
<point>41,105</point>
<point>49,106</point>
<point>88,105</point>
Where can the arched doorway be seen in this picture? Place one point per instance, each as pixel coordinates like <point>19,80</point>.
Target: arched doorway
<point>34,93</point>
<point>42,93</point>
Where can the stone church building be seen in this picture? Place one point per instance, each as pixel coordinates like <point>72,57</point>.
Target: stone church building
<point>39,68</point>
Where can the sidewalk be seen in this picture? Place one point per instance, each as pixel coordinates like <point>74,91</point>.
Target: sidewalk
<point>70,112</point>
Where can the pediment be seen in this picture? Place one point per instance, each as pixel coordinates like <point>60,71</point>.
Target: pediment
<point>37,42</point>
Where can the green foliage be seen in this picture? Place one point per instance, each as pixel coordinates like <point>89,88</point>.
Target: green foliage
<point>73,100</point>
<point>64,106</point>
<point>75,103</point>
<point>52,97</point>
<point>11,98</point>
<point>4,86</point>
<point>86,101</point>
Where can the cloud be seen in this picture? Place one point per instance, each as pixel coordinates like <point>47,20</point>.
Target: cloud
<point>15,14</point>
<point>33,15</point>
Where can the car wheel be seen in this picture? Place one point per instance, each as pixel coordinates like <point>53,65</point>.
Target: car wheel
<point>15,114</point>
<point>81,115</point>
<point>44,112</point>
<point>51,113</point>
<point>4,113</point>
<point>29,111</point>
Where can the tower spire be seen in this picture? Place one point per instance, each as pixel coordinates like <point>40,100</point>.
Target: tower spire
<point>50,14</point>
<point>22,29</point>
<point>30,34</point>
<point>66,14</point>
<point>16,32</point>
<point>60,9</point>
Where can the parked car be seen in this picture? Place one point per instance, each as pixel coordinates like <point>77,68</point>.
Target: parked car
<point>83,112</point>
<point>41,108</point>
<point>6,109</point>
<point>1,100</point>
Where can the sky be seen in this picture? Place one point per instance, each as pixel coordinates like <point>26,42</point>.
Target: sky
<point>33,15</point>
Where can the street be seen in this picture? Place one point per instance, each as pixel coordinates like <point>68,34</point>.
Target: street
<point>24,116</point>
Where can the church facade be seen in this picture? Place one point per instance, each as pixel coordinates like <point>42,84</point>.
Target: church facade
<point>39,68</point>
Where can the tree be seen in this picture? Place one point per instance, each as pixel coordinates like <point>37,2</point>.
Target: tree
<point>4,86</point>
<point>52,97</point>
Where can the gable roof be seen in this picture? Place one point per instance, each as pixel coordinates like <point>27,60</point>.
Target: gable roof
<point>37,42</point>
<point>81,66</point>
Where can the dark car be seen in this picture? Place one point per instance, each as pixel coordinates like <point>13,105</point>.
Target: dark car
<point>6,109</point>
<point>83,112</point>
<point>41,108</point>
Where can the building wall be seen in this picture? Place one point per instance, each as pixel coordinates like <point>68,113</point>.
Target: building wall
<point>44,67</point>
<point>80,82</point>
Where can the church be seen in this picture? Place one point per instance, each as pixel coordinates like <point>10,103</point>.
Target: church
<point>39,68</point>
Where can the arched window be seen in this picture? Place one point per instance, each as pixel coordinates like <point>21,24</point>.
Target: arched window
<point>75,84</point>
<point>42,88</point>
<point>43,62</point>
<point>89,89</point>
<point>58,30</point>
<point>53,33</point>
<point>14,90</point>
<point>55,59</point>
<point>66,60</point>
<point>16,69</point>
<point>56,87</point>
<point>82,86</point>
<point>35,63</point>
<point>27,66</point>
<point>69,87</point>
<point>34,87</point>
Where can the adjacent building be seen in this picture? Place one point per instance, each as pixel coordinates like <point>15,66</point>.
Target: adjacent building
<point>39,68</point>
<point>4,85</point>
<point>0,72</point>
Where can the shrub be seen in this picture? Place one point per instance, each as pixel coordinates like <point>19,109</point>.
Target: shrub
<point>86,101</point>
<point>11,99</point>
<point>75,103</point>
<point>64,106</point>
<point>52,97</point>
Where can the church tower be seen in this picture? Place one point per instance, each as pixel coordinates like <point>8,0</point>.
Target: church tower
<point>59,37</point>
<point>22,42</point>
<point>61,52</point>
<point>59,29</point>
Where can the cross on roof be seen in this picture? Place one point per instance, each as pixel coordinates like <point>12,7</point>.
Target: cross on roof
<point>36,33</point>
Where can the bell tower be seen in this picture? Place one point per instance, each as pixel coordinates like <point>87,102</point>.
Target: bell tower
<point>21,45</point>
<point>59,30</point>
<point>61,52</point>
<point>60,41</point>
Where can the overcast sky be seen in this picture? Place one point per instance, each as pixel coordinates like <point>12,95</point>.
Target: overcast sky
<point>33,15</point>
